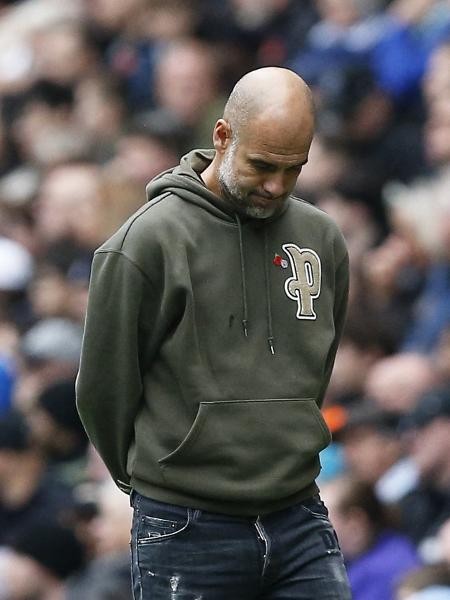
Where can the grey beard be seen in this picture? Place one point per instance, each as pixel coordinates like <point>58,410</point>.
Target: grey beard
<point>241,206</point>
<point>231,192</point>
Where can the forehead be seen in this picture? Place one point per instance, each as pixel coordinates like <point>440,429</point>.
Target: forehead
<point>284,142</point>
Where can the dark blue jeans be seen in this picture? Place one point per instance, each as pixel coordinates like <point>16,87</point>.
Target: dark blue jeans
<point>187,554</point>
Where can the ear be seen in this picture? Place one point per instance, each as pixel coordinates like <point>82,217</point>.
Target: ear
<point>221,136</point>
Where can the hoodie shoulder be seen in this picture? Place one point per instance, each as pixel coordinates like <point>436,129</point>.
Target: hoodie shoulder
<point>320,222</point>
<point>310,211</point>
<point>149,235</point>
<point>143,224</point>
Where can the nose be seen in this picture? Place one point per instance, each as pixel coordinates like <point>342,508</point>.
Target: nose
<point>275,184</point>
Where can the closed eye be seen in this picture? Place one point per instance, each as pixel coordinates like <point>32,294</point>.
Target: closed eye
<point>297,167</point>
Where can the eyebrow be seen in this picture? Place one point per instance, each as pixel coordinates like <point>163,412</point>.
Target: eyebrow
<point>264,163</point>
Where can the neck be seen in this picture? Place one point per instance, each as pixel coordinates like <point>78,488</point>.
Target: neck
<point>210,178</point>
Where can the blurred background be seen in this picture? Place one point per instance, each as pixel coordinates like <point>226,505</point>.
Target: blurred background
<point>97,97</point>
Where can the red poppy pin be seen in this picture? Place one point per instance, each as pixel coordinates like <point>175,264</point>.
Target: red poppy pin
<point>278,261</point>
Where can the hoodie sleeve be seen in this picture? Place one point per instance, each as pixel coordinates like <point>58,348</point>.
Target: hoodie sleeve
<point>339,314</point>
<point>109,383</point>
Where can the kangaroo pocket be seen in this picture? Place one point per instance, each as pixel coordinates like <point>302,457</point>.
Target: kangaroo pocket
<point>252,450</point>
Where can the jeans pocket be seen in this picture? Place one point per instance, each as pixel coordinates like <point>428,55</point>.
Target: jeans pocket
<point>154,529</point>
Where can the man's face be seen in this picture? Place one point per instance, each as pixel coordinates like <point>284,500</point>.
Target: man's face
<point>258,172</point>
<point>369,452</point>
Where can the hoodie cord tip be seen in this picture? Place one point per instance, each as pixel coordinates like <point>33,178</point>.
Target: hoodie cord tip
<point>245,327</point>
<point>271,346</point>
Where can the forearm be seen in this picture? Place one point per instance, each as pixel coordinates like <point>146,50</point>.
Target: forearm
<point>109,383</point>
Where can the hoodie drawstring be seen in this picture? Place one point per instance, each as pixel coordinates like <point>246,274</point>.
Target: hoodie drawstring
<point>270,338</point>
<point>243,279</point>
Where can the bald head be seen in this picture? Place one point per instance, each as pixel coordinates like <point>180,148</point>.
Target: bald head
<point>270,93</point>
<point>262,142</point>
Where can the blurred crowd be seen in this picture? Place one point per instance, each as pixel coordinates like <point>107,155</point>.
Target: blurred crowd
<point>96,98</point>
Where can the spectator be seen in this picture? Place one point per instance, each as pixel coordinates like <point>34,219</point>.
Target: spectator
<point>187,90</point>
<point>108,575</point>
<point>49,293</point>
<point>375,453</point>
<point>142,152</point>
<point>421,212</point>
<point>364,342</point>
<point>274,29</point>
<point>375,554</point>
<point>38,559</point>
<point>50,351</point>
<point>100,112</point>
<point>27,491</point>
<point>64,54</point>
<point>427,506</point>
<point>43,127</point>
<point>354,211</point>
<point>396,382</point>
<point>135,54</point>
<point>58,433</point>
<point>69,206</point>
<point>346,33</point>
<point>331,162</point>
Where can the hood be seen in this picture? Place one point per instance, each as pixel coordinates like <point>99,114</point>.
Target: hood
<point>185,181</point>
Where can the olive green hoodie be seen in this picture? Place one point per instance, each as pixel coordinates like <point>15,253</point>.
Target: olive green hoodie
<point>208,347</point>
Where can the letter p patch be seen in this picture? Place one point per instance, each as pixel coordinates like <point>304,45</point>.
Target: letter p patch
<point>304,285</point>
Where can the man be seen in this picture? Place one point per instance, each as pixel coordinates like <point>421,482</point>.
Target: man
<point>28,491</point>
<point>374,452</point>
<point>213,321</point>
<point>376,555</point>
<point>427,430</point>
